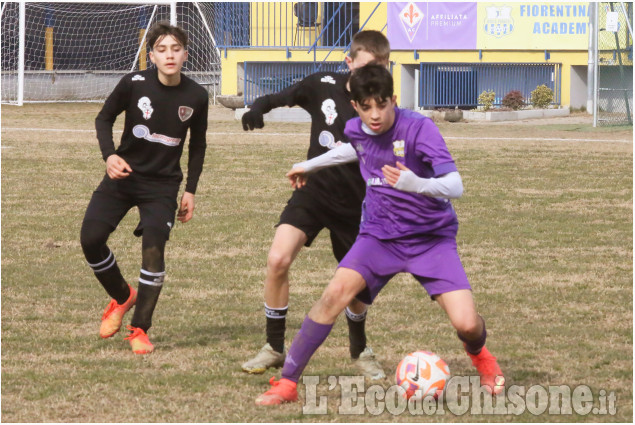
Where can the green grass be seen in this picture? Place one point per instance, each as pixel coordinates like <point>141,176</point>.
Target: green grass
<point>545,237</point>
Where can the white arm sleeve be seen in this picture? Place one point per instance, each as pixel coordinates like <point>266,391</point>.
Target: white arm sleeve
<point>448,186</point>
<point>342,154</point>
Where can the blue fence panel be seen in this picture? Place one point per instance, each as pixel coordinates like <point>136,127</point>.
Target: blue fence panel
<point>263,78</point>
<point>450,85</point>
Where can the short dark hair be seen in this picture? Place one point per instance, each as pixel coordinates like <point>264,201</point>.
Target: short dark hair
<point>371,81</point>
<point>373,42</point>
<point>163,28</point>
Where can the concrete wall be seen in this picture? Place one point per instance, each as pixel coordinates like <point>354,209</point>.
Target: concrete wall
<point>578,87</point>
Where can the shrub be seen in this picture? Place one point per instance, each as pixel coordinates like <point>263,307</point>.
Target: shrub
<point>514,100</point>
<point>487,99</point>
<point>541,97</point>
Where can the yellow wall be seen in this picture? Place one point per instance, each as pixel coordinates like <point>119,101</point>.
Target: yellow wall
<point>232,84</point>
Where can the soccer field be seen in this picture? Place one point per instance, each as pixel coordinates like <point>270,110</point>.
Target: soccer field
<point>546,227</point>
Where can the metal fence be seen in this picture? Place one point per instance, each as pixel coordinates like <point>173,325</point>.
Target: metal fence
<point>614,64</point>
<point>263,78</point>
<point>285,24</point>
<point>460,84</point>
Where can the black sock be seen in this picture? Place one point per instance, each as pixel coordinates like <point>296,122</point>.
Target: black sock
<point>356,332</point>
<point>276,326</point>
<point>150,285</point>
<point>108,274</point>
<point>474,346</point>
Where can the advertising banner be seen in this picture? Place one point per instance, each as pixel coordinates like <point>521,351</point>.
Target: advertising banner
<point>432,26</point>
<point>493,26</point>
<point>533,26</point>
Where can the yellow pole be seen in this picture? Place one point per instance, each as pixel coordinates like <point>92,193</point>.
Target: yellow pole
<point>48,53</point>
<point>142,51</point>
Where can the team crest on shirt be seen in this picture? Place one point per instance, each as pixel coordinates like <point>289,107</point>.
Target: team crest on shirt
<point>185,112</point>
<point>329,111</point>
<point>398,148</point>
<point>146,107</point>
<point>328,79</point>
<point>138,77</point>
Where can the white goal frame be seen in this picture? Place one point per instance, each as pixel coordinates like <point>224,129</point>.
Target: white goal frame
<point>16,95</point>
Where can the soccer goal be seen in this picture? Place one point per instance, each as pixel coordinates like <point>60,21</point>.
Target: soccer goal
<point>77,52</point>
<point>612,47</point>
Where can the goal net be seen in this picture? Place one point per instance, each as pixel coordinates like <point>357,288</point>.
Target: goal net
<point>613,64</point>
<point>57,52</point>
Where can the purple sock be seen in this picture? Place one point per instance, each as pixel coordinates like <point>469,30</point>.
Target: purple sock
<point>305,343</point>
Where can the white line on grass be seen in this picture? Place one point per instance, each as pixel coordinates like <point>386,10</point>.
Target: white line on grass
<point>261,133</point>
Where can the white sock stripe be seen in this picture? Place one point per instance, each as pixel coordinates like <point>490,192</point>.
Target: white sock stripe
<point>354,316</point>
<point>112,263</point>
<point>153,273</point>
<point>102,262</point>
<point>276,308</point>
<point>276,313</point>
<point>149,282</point>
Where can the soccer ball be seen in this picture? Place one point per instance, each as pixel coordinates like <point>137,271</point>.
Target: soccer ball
<point>421,374</point>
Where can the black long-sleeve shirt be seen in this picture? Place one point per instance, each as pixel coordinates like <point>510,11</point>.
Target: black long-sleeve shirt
<point>324,96</point>
<point>156,123</point>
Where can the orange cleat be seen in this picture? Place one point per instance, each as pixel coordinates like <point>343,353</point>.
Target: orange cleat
<point>113,315</point>
<point>139,341</point>
<point>491,374</point>
<point>282,391</point>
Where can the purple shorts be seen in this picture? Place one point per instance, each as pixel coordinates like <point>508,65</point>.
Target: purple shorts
<point>433,261</point>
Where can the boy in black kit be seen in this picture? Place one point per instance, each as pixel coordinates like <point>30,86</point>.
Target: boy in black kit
<point>161,104</point>
<point>331,199</point>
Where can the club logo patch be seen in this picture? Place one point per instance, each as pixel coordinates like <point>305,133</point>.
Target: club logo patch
<point>329,111</point>
<point>398,148</point>
<point>185,113</point>
<point>143,132</point>
<point>327,140</point>
<point>146,107</point>
<point>138,77</point>
<point>328,79</point>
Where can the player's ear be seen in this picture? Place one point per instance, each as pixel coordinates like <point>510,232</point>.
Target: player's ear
<point>394,100</point>
<point>184,60</point>
<point>151,54</point>
<point>354,104</point>
<point>349,62</point>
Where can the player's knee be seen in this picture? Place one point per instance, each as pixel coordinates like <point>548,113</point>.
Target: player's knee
<point>357,307</point>
<point>469,326</point>
<point>278,262</point>
<point>336,296</point>
<point>93,236</point>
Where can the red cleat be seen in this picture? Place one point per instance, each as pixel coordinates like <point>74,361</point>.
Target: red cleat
<point>113,315</point>
<point>282,391</point>
<point>491,375</point>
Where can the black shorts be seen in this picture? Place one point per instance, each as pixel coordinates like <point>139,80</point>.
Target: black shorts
<point>305,213</point>
<point>156,201</point>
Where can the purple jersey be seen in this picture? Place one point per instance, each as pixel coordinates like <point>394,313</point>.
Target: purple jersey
<point>390,213</point>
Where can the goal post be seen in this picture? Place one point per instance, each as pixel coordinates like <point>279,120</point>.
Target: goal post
<point>77,52</point>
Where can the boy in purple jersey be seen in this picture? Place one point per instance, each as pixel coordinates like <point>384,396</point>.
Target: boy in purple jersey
<point>331,200</point>
<point>408,225</point>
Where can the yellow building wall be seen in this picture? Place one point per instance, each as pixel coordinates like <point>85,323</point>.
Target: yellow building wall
<point>232,81</point>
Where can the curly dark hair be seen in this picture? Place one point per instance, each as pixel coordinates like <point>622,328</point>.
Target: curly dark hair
<point>371,81</point>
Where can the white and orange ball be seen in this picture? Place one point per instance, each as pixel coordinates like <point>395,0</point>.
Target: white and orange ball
<point>422,374</point>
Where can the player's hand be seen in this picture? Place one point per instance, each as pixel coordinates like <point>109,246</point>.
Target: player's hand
<point>186,210</point>
<point>252,119</point>
<point>297,177</point>
<point>117,168</point>
<point>392,174</point>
